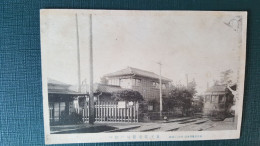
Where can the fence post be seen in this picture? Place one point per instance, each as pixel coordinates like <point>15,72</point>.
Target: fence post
<point>137,110</point>
<point>134,111</point>
<point>106,115</point>
<point>88,111</point>
<point>109,111</point>
<point>122,116</point>
<point>128,114</point>
<point>97,109</point>
<point>131,113</point>
<point>116,112</point>
<point>101,111</point>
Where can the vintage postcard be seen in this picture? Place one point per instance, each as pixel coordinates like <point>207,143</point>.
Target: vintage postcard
<point>118,75</point>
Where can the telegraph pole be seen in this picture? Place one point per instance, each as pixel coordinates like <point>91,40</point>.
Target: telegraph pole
<point>160,78</point>
<point>91,94</point>
<point>187,80</point>
<point>78,54</point>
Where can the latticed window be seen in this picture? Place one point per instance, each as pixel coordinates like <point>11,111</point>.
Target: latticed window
<point>156,84</point>
<point>150,107</point>
<point>136,82</point>
<point>113,82</point>
<point>125,83</point>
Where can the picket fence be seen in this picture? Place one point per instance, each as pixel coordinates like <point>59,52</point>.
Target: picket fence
<point>113,112</point>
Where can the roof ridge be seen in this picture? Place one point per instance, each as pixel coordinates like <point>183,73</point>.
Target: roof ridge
<point>142,70</point>
<point>54,81</point>
<point>136,71</point>
<point>131,69</point>
<point>100,84</point>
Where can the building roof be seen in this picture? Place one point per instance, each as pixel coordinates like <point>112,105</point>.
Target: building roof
<point>104,88</point>
<point>56,82</point>
<point>107,88</point>
<point>137,72</point>
<point>57,87</point>
<point>217,89</point>
<point>62,91</point>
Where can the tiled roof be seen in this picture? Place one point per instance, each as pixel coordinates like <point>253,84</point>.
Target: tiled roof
<point>102,88</point>
<point>57,87</point>
<point>61,91</point>
<point>55,82</point>
<point>107,88</point>
<point>137,72</point>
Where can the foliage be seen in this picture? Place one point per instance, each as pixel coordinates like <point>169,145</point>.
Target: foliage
<point>73,118</point>
<point>103,80</point>
<point>180,97</point>
<point>130,95</point>
<point>127,95</point>
<point>226,77</point>
<point>218,115</point>
<point>192,87</point>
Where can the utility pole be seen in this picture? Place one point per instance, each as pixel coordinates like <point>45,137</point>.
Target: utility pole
<point>91,94</point>
<point>160,78</point>
<point>187,80</point>
<point>78,54</point>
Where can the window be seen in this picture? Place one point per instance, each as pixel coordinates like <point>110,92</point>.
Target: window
<point>207,98</point>
<point>156,84</point>
<point>113,82</point>
<point>150,107</point>
<point>59,108</point>
<point>125,83</point>
<point>163,86</point>
<point>56,111</point>
<point>214,99</point>
<point>51,109</point>
<point>136,82</point>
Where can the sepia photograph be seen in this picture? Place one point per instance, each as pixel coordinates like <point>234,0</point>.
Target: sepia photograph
<point>117,75</point>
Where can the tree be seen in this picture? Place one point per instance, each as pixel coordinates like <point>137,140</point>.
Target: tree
<point>216,82</point>
<point>181,97</point>
<point>103,80</point>
<point>225,77</point>
<point>127,95</point>
<point>192,87</point>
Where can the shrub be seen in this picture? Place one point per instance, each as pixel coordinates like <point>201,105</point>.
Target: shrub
<point>127,95</point>
<point>73,118</point>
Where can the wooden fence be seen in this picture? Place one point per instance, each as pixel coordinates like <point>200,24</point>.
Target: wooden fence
<point>113,112</point>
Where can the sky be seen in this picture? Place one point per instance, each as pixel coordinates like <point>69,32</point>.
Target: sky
<point>199,45</point>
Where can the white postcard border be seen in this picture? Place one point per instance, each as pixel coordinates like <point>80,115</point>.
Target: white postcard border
<point>141,136</point>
